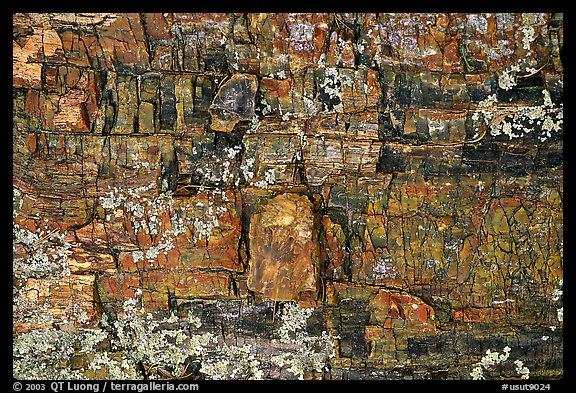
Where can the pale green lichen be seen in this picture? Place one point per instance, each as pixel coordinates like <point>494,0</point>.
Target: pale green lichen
<point>155,345</point>
<point>293,323</point>
<point>232,362</point>
<point>155,341</point>
<point>115,369</point>
<point>48,253</point>
<point>158,342</point>
<point>163,342</point>
<point>45,353</point>
<point>300,353</point>
<point>46,247</point>
<point>313,353</point>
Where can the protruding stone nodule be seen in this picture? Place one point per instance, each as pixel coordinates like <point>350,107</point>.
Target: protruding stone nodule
<point>234,101</point>
<point>284,250</point>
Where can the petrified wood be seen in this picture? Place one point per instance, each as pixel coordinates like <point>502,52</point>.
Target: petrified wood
<point>284,249</point>
<point>288,195</point>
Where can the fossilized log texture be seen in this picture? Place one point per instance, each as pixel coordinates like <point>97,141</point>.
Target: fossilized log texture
<point>401,174</point>
<point>283,249</point>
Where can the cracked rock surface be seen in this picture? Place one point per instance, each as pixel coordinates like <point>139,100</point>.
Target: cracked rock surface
<point>282,196</point>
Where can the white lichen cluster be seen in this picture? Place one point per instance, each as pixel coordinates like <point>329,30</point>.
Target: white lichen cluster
<point>529,36</point>
<point>218,170</point>
<point>145,216</point>
<point>558,292</point>
<point>46,247</point>
<point>529,20</point>
<point>384,268</point>
<point>507,79</point>
<point>266,107</point>
<point>542,119</point>
<point>556,296</point>
<point>254,124</point>
<point>139,162</point>
<point>269,179</point>
<point>522,370</point>
<point>560,314</point>
<point>17,202</point>
<point>490,359</point>
<point>247,169</point>
<point>331,86</point>
<point>207,216</point>
<point>309,106</point>
<point>302,35</point>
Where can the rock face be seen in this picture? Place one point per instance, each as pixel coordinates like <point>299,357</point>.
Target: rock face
<point>288,195</point>
<point>284,250</point>
<point>233,102</point>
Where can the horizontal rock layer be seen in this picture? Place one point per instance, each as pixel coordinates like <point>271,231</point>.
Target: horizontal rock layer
<point>400,176</point>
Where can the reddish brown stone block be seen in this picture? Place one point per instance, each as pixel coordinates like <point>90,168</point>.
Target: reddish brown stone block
<point>284,249</point>
<point>187,284</point>
<point>327,158</point>
<point>123,42</point>
<point>156,26</point>
<point>307,39</point>
<point>116,288</point>
<point>32,103</point>
<point>452,58</point>
<point>26,72</point>
<point>199,284</point>
<point>487,315</point>
<point>360,90</point>
<point>81,261</point>
<point>153,301</point>
<point>389,306</point>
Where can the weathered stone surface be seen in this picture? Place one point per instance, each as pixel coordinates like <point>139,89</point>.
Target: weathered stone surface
<point>283,256</point>
<point>289,195</point>
<point>47,302</point>
<point>234,101</point>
